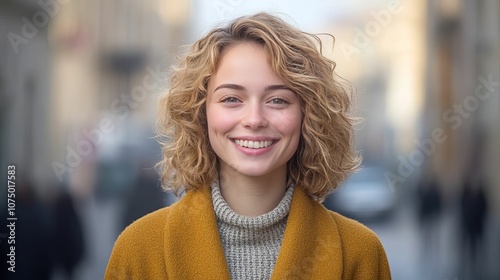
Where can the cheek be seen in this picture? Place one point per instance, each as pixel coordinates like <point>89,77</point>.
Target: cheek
<point>293,122</point>
<point>217,122</point>
<point>212,127</point>
<point>291,126</point>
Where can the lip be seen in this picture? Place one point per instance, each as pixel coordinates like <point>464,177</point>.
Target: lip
<point>255,138</point>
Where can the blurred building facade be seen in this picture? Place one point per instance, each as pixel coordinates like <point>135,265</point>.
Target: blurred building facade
<point>462,92</point>
<point>25,91</point>
<point>78,88</point>
<point>69,65</point>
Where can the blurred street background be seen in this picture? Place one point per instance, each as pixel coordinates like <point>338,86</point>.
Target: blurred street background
<point>79,82</point>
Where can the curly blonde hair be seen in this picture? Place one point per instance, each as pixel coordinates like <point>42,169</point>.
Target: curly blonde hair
<point>325,155</point>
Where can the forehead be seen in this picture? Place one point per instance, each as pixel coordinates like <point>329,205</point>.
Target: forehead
<point>245,63</point>
<point>243,53</point>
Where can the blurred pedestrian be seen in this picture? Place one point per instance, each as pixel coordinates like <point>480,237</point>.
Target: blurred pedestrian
<point>429,212</point>
<point>473,214</point>
<point>429,207</point>
<point>69,241</point>
<point>255,128</point>
<point>33,245</point>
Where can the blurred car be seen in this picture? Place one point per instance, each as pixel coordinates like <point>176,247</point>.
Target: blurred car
<point>365,195</point>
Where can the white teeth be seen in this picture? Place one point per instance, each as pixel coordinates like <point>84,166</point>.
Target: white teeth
<point>253,144</point>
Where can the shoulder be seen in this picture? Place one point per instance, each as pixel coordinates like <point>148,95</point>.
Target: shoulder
<point>363,253</point>
<point>148,228</point>
<point>139,247</point>
<point>353,232</point>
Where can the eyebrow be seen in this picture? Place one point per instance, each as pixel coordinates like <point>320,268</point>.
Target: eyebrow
<point>230,86</point>
<point>242,88</point>
<point>277,87</point>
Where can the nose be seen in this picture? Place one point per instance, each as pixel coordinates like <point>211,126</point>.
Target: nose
<point>254,117</point>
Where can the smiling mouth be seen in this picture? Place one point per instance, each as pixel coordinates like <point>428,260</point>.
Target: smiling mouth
<point>253,144</point>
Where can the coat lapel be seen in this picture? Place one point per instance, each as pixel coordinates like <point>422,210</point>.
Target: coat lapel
<point>311,247</point>
<point>193,249</point>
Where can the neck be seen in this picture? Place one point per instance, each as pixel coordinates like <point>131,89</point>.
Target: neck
<point>252,196</point>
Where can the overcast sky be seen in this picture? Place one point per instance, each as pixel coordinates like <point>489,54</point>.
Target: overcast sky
<point>309,15</point>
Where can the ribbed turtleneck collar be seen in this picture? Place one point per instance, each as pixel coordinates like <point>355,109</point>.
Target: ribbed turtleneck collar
<point>227,215</point>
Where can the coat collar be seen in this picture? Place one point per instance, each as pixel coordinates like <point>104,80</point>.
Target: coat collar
<point>311,247</point>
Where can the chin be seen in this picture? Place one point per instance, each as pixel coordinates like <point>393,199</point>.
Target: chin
<point>257,170</point>
<point>253,173</point>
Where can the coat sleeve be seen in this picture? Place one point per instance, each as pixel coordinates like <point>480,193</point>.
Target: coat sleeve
<point>120,264</point>
<point>364,255</point>
<point>373,264</point>
<point>138,252</point>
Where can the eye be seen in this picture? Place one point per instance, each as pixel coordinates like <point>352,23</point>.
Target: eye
<point>278,101</point>
<point>230,99</point>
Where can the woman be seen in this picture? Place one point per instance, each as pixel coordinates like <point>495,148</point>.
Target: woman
<point>257,133</point>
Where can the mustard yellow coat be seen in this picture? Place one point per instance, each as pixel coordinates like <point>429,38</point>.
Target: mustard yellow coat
<point>182,242</point>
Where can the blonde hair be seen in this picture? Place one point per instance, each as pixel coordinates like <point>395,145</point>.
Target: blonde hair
<point>325,155</point>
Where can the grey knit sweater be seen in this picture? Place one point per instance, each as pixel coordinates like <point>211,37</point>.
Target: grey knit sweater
<point>251,244</point>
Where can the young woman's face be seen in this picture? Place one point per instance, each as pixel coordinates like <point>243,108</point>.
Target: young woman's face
<point>253,118</point>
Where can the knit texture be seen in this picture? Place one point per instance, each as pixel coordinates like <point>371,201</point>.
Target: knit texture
<point>251,244</point>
